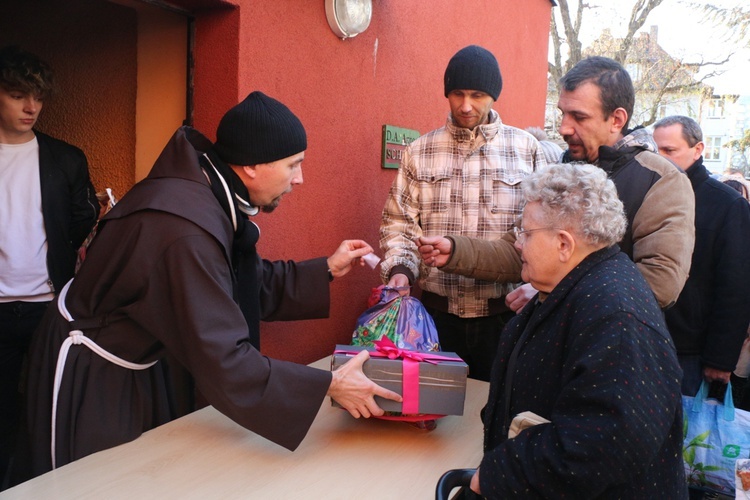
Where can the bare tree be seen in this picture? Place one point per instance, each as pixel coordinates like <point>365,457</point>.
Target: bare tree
<point>638,15</point>
<point>741,144</point>
<point>661,77</point>
<point>740,151</point>
<point>671,80</point>
<point>565,29</point>
<point>736,20</point>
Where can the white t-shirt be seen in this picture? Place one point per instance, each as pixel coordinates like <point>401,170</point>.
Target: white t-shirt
<point>23,240</point>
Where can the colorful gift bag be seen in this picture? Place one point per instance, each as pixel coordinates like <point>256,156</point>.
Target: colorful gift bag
<point>406,323</point>
<point>715,436</point>
<point>403,320</point>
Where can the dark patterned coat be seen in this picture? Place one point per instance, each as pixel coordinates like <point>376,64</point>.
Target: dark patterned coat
<point>595,359</point>
<point>158,279</point>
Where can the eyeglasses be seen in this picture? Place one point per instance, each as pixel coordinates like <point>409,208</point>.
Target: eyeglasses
<point>520,233</point>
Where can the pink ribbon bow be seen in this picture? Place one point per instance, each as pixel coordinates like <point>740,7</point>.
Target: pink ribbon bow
<point>385,348</point>
<point>410,369</point>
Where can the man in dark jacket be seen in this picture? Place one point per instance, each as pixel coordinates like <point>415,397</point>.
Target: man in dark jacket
<point>47,207</point>
<point>164,275</point>
<point>709,321</point>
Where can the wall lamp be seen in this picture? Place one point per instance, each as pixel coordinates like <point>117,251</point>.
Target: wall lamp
<point>348,18</point>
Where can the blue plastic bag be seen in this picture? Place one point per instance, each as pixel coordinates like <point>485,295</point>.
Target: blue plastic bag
<point>715,436</point>
<point>404,320</point>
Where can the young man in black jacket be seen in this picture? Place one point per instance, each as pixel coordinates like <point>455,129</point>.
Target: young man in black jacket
<point>47,208</point>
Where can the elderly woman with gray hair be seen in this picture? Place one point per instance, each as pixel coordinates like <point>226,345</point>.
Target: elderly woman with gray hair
<point>590,355</point>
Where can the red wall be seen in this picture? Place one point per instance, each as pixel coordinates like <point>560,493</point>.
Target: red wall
<point>344,92</point>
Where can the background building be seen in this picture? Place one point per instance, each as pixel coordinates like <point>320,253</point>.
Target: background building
<point>725,118</point>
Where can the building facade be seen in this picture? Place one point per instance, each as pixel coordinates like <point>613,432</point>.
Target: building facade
<point>130,72</point>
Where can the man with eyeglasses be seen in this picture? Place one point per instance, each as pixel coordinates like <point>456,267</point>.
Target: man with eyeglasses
<point>597,100</point>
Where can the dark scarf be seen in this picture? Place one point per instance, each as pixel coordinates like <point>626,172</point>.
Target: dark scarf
<point>245,259</point>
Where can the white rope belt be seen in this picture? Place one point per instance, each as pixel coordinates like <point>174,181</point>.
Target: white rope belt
<point>76,337</point>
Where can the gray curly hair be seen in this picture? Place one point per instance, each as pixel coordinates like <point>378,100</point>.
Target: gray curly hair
<point>580,198</point>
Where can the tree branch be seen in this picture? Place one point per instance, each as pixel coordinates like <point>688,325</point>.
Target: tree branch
<point>638,15</point>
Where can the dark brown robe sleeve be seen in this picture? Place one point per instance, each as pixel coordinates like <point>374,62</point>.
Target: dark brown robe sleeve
<point>294,290</point>
<point>192,284</point>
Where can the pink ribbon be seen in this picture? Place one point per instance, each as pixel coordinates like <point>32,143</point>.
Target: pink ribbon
<point>385,348</point>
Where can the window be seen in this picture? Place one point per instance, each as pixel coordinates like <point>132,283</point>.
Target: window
<point>716,108</point>
<point>712,151</point>
<point>634,70</point>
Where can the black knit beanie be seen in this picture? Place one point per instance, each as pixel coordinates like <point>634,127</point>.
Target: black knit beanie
<point>258,130</point>
<point>474,68</point>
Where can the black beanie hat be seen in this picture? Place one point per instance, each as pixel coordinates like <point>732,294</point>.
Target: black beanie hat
<point>474,68</point>
<point>258,130</point>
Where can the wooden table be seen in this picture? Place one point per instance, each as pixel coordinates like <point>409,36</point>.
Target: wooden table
<point>206,455</point>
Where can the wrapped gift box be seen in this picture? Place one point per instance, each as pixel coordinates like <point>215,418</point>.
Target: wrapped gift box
<point>442,382</point>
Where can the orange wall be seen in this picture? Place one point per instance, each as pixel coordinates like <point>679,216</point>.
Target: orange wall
<point>91,46</point>
<point>344,91</point>
<point>162,76</point>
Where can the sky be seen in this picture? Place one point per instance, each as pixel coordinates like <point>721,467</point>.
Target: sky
<point>683,33</point>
